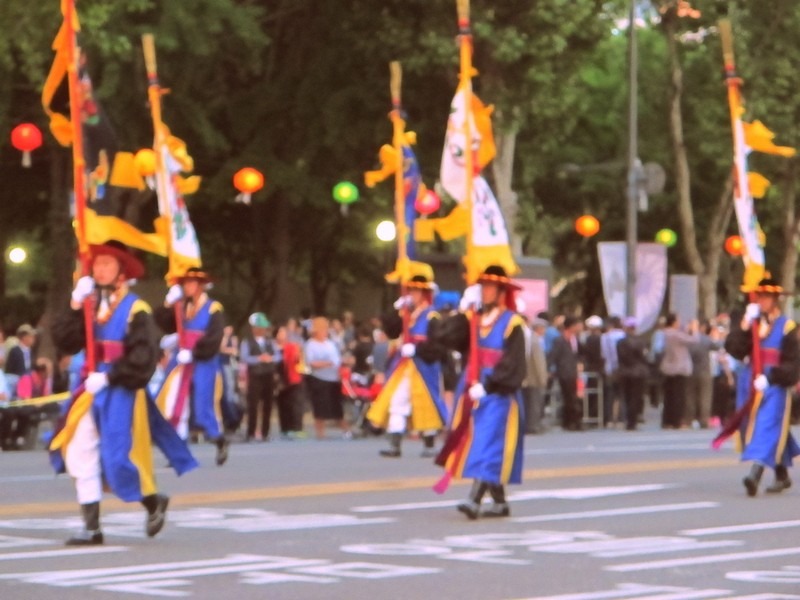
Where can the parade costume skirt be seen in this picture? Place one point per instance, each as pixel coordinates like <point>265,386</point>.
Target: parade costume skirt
<point>764,435</point>
<point>428,411</point>
<point>128,423</point>
<point>205,395</point>
<point>492,446</point>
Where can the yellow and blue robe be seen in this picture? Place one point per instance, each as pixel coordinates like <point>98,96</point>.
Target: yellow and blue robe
<point>764,435</point>
<point>198,386</point>
<point>428,410</point>
<point>127,420</point>
<point>486,440</point>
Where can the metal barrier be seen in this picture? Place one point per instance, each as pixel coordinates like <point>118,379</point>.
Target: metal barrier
<point>591,396</point>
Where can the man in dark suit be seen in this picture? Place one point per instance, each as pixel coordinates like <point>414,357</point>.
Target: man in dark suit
<point>565,362</point>
<point>21,358</point>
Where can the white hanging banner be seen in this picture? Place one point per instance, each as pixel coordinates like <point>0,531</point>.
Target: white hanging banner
<point>651,280</point>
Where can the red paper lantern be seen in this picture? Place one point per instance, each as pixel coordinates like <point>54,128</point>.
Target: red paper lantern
<point>428,203</point>
<point>587,225</point>
<point>248,181</point>
<point>26,137</point>
<point>734,245</point>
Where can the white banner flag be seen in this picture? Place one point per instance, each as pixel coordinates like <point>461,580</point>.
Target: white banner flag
<point>651,280</point>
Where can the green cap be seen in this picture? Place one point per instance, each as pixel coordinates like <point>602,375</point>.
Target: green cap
<point>259,319</point>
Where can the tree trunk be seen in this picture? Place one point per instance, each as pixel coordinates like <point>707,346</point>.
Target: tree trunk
<point>282,303</point>
<point>716,235</point>
<point>62,244</point>
<point>503,172</point>
<point>707,287</point>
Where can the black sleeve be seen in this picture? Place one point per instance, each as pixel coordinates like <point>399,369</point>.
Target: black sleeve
<point>208,345</point>
<point>509,373</point>
<point>140,355</point>
<point>787,372</point>
<point>453,333</point>
<point>165,318</point>
<point>431,350</point>
<point>392,324</point>
<point>739,343</point>
<point>69,332</point>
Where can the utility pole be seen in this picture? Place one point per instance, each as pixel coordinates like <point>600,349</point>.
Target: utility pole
<point>634,166</point>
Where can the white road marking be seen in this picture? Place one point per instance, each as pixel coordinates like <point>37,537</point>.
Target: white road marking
<point>742,528</point>
<point>602,449</point>
<point>637,591</point>
<point>701,560</point>
<point>64,552</point>
<point>562,494</point>
<point>160,579</point>
<point>614,512</point>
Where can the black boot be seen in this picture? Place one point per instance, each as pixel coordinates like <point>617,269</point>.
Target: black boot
<point>428,451</point>
<point>393,451</point>
<point>782,481</point>
<point>90,535</point>
<point>472,505</point>
<point>222,450</point>
<point>156,505</point>
<point>751,481</point>
<point>499,507</point>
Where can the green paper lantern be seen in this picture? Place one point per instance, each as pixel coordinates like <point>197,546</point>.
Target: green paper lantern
<point>667,237</point>
<point>345,192</point>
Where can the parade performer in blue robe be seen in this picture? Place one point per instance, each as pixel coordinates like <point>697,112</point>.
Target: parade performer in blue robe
<point>106,431</point>
<point>411,398</point>
<point>765,398</point>
<point>192,394</point>
<point>486,438</point>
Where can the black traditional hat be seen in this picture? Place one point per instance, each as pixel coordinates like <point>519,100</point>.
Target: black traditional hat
<point>769,285</point>
<point>420,282</point>
<point>195,273</point>
<point>497,275</point>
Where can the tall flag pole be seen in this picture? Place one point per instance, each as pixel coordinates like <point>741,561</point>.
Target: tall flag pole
<point>183,250</point>
<point>398,159</point>
<point>747,186</point>
<point>451,452</point>
<point>66,64</point>
<point>753,254</point>
<point>398,143</point>
<point>465,84</point>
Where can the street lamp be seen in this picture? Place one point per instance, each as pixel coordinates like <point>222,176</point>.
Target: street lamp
<point>386,231</point>
<point>17,255</point>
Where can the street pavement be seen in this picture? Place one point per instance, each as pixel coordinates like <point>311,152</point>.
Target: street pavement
<point>601,514</point>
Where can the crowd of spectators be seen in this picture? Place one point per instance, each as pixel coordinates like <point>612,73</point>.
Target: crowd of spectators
<point>581,372</point>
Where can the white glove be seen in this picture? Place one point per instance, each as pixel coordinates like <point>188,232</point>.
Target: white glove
<point>402,302</point>
<point>95,382</point>
<point>408,350</point>
<point>471,299</point>
<point>184,356</point>
<point>477,391</point>
<point>174,294</point>
<point>752,312</point>
<point>761,383</point>
<point>83,288</point>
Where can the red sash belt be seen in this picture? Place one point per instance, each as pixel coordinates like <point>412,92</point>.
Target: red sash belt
<point>107,351</point>
<point>770,357</point>
<point>488,357</point>
<point>190,337</point>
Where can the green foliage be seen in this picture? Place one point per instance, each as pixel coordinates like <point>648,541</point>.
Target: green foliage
<point>299,90</point>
